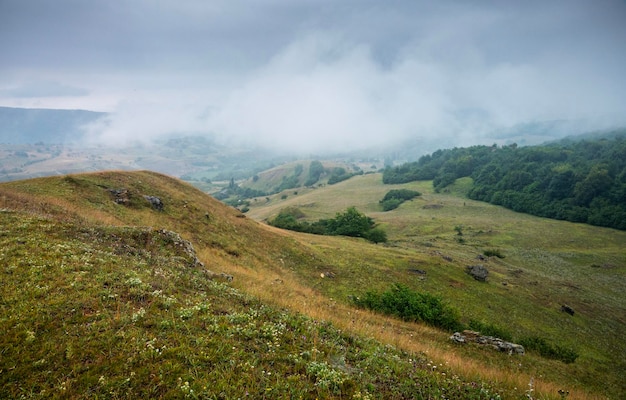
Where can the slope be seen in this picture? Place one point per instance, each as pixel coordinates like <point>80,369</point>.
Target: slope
<point>101,298</point>
<point>546,264</point>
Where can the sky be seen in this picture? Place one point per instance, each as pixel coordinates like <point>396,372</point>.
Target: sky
<point>316,74</point>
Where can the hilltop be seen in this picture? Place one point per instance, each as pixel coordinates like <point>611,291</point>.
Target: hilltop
<point>127,296</point>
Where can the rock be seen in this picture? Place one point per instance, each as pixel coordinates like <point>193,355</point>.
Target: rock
<point>157,204</point>
<point>187,249</point>
<point>417,271</point>
<point>120,196</point>
<point>183,244</point>
<point>478,272</point>
<point>494,342</point>
<point>226,277</point>
<point>567,309</point>
<point>457,337</point>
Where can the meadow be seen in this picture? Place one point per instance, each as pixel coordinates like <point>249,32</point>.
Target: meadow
<point>98,301</point>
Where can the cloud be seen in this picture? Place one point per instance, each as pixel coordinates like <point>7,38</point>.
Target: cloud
<point>317,75</point>
<point>34,89</point>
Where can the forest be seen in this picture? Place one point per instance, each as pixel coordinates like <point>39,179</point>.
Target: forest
<point>575,179</point>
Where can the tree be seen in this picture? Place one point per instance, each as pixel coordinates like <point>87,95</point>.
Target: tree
<point>351,223</point>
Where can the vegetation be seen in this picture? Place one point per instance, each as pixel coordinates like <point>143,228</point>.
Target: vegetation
<point>234,194</point>
<point>349,223</point>
<point>557,352</point>
<point>291,181</point>
<point>578,181</point>
<point>316,169</point>
<point>120,313</point>
<point>412,306</point>
<point>400,301</point>
<point>395,197</point>
<point>340,174</point>
<point>548,263</point>
<point>297,275</point>
<point>493,253</point>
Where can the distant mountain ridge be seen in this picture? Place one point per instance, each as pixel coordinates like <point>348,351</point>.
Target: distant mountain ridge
<point>32,125</point>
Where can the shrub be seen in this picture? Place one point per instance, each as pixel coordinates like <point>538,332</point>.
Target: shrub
<point>377,235</point>
<point>493,253</point>
<point>395,197</point>
<point>349,223</point>
<point>401,194</point>
<point>391,204</point>
<point>548,350</point>
<point>490,330</point>
<point>412,306</point>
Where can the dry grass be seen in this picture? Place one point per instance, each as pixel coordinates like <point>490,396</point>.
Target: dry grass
<point>284,290</point>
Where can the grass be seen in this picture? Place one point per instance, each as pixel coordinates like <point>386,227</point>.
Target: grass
<point>121,313</point>
<point>548,263</point>
<point>68,230</point>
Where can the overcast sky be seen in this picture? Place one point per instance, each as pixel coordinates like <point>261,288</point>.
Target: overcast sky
<point>315,73</point>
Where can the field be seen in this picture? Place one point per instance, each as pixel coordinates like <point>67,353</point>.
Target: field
<point>546,264</point>
<point>77,268</point>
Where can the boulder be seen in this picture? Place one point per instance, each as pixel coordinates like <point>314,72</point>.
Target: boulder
<point>156,203</point>
<point>478,272</point>
<point>567,309</point>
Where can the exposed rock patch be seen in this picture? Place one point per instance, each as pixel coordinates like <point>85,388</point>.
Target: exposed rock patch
<point>478,272</point>
<point>184,245</point>
<point>494,342</point>
<point>156,203</point>
<point>417,271</point>
<point>120,196</point>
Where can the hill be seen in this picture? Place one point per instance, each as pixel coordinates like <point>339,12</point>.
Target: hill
<point>580,180</point>
<point>95,303</point>
<point>545,264</point>
<point>31,125</point>
<point>108,292</point>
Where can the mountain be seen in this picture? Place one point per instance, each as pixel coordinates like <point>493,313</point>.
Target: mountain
<point>32,125</point>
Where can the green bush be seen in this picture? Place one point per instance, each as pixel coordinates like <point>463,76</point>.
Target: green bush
<point>548,350</point>
<point>377,235</point>
<point>490,330</point>
<point>493,253</point>
<point>349,223</point>
<point>401,194</point>
<point>412,306</point>
<point>394,198</point>
<point>391,204</point>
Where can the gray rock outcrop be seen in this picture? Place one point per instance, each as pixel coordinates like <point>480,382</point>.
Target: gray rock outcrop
<point>494,342</point>
<point>156,203</point>
<point>478,272</point>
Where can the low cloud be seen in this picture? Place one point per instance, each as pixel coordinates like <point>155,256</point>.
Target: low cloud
<point>319,75</point>
<point>38,89</point>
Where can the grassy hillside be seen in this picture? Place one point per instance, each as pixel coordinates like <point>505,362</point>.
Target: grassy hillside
<point>546,264</point>
<point>99,298</point>
<point>270,180</point>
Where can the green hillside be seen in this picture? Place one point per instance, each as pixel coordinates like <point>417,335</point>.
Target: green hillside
<point>581,180</point>
<point>546,264</point>
<point>108,293</point>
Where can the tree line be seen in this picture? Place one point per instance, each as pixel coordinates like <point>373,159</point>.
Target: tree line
<point>575,180</point>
